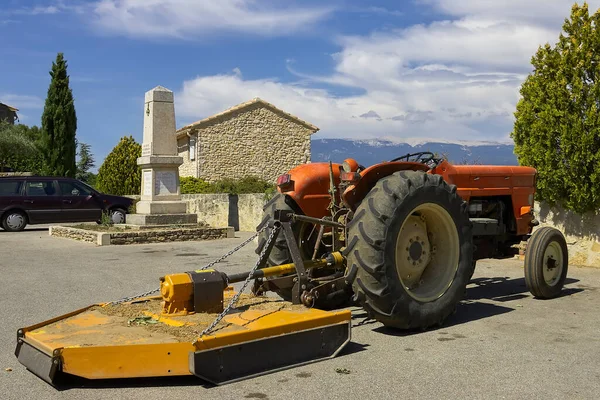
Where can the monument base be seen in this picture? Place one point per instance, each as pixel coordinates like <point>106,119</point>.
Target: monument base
<point>161,219</point>
<point>161,207</point>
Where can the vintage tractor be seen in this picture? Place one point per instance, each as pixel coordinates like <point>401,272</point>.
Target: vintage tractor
<point>399,238</point>
<point>411,231</point>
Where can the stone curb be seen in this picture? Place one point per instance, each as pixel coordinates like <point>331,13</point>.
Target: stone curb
<point>141,236</point>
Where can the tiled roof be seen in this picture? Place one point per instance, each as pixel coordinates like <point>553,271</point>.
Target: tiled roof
<point>256,100</point>
<point>10,107</point>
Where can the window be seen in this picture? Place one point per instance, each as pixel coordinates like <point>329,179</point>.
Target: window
<point>192,148</point>
<point>40,188</point>
<point>10,188</point>
<point>73,189</point>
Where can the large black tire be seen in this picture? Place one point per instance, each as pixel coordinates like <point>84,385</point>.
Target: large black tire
<point>546,263</point>
<point>375,244</point>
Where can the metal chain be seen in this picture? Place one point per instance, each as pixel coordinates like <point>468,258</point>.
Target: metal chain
<point>236,297</point>
<point>218,260</point>
<point>126,299</point>
<point>244,243</point>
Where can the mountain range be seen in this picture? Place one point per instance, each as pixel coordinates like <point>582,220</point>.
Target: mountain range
<point>373,151</point>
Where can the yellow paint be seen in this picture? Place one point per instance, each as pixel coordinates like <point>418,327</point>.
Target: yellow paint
<point>133,361</point>
<point>177,291</point>
<point>88,320</point>
<point>291,268</point>
<point>164,320</point>
<point>151,354</point>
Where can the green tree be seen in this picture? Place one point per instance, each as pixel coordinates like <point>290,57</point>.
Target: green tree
<point>557,126</point>
<point>59,123</point>
<point>85,163</point>
<point>119,173</point>
<point>18,148</point>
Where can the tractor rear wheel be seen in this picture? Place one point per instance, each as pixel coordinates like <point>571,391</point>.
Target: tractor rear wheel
<point>411,247</point>
<point>546,263</point>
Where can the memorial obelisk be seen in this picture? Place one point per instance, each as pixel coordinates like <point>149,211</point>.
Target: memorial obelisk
<point>160,202</point>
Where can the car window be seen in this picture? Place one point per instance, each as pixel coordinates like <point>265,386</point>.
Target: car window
<point>10,188</point>
<point>73,189</point>
<point>40,188</point>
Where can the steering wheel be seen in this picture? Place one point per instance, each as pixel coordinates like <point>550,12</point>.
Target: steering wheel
<point>423,157</point>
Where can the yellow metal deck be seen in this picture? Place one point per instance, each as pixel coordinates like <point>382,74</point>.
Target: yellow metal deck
<point>134,340</point>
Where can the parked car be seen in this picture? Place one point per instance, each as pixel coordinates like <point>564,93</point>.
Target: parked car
<point>42,200</point>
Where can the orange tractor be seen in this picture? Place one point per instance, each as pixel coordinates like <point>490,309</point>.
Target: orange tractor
<point>410,231</point>
<point>400,238</point>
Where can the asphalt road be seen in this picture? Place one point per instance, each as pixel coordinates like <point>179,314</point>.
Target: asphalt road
<point>501,343</point>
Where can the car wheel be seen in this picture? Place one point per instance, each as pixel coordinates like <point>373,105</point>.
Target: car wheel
<point>14,221</point>
<point>117,216</point>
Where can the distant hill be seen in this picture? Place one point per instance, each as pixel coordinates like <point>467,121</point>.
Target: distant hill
<point>373,151</point>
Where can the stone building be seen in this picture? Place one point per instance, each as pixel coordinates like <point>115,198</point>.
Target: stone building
<point>8,113</point>
<point>254,138</point>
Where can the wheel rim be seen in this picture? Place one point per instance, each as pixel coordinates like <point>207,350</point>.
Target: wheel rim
<point>553,263</point>
<point>15,221</point>
<point>427,252</point>
<point>307,238</point>
<point>118,217</point>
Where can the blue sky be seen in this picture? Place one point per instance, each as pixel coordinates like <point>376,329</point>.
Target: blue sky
<point>401,70</point>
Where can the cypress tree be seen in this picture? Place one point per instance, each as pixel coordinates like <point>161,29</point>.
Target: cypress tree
<point>59,123</point>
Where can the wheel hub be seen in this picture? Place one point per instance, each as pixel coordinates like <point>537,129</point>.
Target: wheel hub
<point>14,221</point>
<point>415,250</point>
<point>427,252</point>
<point>552,263</point>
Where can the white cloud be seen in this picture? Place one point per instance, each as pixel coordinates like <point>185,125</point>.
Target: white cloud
<point>544,12</point>
<point>456,78</point>
<point>37,10</point>
<point>21,101</point>
<point>190,19</point>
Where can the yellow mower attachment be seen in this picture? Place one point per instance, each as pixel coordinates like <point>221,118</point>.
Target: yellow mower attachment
<point>162,336</point>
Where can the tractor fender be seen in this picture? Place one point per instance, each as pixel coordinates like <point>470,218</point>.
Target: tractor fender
<point>309,187</point>
<point>354,194</point>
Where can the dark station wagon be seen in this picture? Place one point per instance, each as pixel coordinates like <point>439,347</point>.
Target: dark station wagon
<point>42,200</point>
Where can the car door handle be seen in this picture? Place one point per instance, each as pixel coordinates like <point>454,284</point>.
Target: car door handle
<point>28,201</point>
<point>67,201</point>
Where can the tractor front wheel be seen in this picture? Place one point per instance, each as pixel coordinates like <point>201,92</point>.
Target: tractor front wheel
<point>546,263</point>
<point>410,245</point>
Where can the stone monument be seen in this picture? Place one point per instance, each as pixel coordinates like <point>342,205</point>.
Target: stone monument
<point>160,202</point>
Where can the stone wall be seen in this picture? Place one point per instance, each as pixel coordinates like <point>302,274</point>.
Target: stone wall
<point>582,232</point>
<point>253,141</point>
<point>243,211</point>
<point>212,209</point>
<point>189,167</point>
<point>134,236</point>
<point>250,210</point>
<point>16,174</point>
<point>168,235</point>
<point>73,233</point>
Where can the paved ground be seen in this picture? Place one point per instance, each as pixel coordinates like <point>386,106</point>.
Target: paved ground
<point>500,344</point>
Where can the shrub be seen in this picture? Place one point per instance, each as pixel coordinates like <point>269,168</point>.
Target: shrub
<point>119,174</point>
<point>245,185</point>
<point>191,185</point>
<point>557,129</point>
